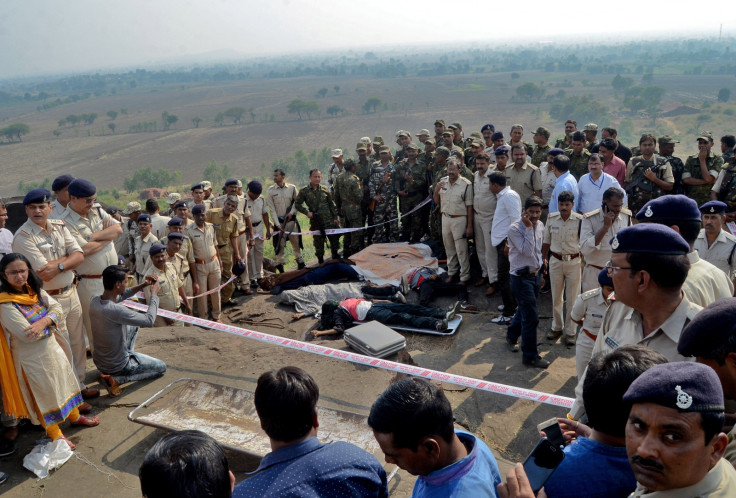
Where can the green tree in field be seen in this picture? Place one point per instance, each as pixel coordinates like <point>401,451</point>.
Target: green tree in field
<point>149,177</point>
<point>583,109</point>
<point>337,89</point>
<point>621,83</point>
<point>219,118</point>
<point>236,113</point>
<point>15,131</point>
<point>529,92</point>
<point>196,121</point>
<point>168,119</point>
<point>296,106</point>
<point>112,114</point>
<point>372,104</point>
<point>644,98</point>
<point>724,94</point>
<point>321,93</point>
<point>56,133</point>
<point>112,127</point>
<point>72,119</point>
<point>334,110</point>
<point>215,173</point>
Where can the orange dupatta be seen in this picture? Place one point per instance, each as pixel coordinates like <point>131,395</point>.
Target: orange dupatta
<point>13,403</point>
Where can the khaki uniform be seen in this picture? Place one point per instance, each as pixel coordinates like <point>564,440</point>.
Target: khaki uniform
<point>280,201</point>
<point>226,227</point>
<point>590,307</point>
<point>186,253</point>
<point>90,270</point>
<point>142,245</point>
<point>168,295</point>
<point>56,210</point>
<point>719,482</point>
<point>722,253</point>
<point>41,245</point>
<point>242,213</point>
<point>454,201</point>
<point>596,256</point>
<point>622,325</point>
<point>704,283</point>
<point>524,181</point>
<point>484,205</point>
<point>122,244</point>
<point>207,203</point>
<point>641,190</point>
<point>257,210</point>
<point>564,267</point>
<point>701,193</point>
<point>159,225</point>
<point>208,266</point>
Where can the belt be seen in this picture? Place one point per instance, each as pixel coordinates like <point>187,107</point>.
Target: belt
<point>455,215</point>
<point>594,337</point>
<point>565,257</point>
<point>56,292</point>
<point>596,267</point>
<point>221,246</point>
<point>203,262</point>
<point>90,276</point>
<point>256,224</point>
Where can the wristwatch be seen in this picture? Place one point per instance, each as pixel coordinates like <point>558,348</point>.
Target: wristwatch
<point>61,268</point>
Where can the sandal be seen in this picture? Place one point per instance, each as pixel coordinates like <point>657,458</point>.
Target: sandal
<point>86,420</point>
<point>84,408</point>
<point>112,386</point>
<point>72,446</point>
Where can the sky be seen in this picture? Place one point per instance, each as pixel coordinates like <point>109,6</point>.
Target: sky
<point>53,36</point>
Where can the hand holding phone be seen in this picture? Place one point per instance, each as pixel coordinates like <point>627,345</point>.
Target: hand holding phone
<point>542,462</point>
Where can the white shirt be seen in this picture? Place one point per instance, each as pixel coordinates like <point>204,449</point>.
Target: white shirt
<point>6,242</point>
<point>590,192</point>
<point>508,210</point>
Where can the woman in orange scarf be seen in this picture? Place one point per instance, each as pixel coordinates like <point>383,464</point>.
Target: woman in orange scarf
<point>37,379</point>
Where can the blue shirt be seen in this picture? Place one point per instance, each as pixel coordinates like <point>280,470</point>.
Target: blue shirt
<point>592,470</point>
<point>475,476</point>
<point>315,469</point>
<point>525,246</point>
<point>564,182</point>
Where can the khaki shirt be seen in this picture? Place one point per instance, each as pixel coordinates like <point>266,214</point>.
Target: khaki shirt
<point>704,283</point>
<point>170,282</point>
<point>598,255</point>
<point>142,245</point>
<point>278,200</point>
<point>56,210</point>
<point>257,209</point>
<point>203,241</point>
<point>622,325</point>
<point>720,481</point>
<point>456,197</point>
<point>41,245</point>
<point>590,307</point>
<point>562,236</point>
<point>524,181</point>
<point>720,253</point>
<point>81,228</point>
<point>226,227</point>
<point>484,201</point>
<point>241,210</point>
<point>159,225</point>
<point>186,250</point>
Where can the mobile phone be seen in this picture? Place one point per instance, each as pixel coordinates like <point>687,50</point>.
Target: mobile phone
<point>604,207</point>
<point>542,462</point>
<point>552,431</point>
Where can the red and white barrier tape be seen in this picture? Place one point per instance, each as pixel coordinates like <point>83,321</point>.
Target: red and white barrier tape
<point>140,295</point>
<point>460,380</point>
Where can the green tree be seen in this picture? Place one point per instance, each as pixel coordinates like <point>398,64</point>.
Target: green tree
<point>149,177</point>
<point>621,83</point>
<point>112,127</point>
<point>56,133</point>
<point>529,92</point>
<point>321,93</point>
<point>219,118</point>
<point>215,173</point>
<point>168,119</point>
<point>372,104</point>
<point>196,121</point>
<point>15,131</point>
<point>112,114</point>
<point>296,106</point>
<point>24,187</point>
<point>310,107</point>
<point>334,110</point>
<point>724,94</point>
<point>236,113</point>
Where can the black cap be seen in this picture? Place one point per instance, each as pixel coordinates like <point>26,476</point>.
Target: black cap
<point>80,187</point>
<point>61,181</point>
<point>37,196</point>
<point>711,329</point>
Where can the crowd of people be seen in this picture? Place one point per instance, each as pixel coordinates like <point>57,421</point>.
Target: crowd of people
<point>632,244</point>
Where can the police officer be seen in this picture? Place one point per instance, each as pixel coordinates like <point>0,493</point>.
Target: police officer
<point>648,175</point>
<point>410,183</point>
<point>383,198</point>
<point>198,194</point>
<point>588,311</point>
<point>171,293</point>
<point>454,195</point>
<point>95,231</point>
<point>256,206</point>
<point>226,223</point>
<point>142,244</point>
<point>280,198</point>
<point>349,196</point>
<point>207,259</point>
<point>59,186</point>
<point>713,244</point>
<point>53,254</point>
<point>321,211</point>
<point>185,250</point>
<point>484,206</point>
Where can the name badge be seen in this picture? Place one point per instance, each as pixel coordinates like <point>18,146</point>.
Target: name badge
<point>611,342</point>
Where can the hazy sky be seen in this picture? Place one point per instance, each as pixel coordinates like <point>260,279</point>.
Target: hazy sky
<point>49,36</point>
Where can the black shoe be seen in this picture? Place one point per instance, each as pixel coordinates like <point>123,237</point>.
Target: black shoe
<point>512,346</point>
<point>538,362</point>
<point>280,268</point>
<point>320,260</point>
<point>336,255</point>
<point>7,447</point>
<point>254,284</point>
<point>300,265</point>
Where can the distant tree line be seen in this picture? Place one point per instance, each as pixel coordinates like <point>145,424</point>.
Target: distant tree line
<point>149,177</point>
<point>75,119</point>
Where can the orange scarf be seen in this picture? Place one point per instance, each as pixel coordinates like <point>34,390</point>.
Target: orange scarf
<point>13,403</point>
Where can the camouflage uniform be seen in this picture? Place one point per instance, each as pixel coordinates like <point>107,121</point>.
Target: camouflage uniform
<point>226,228</point>
<point>411,228</point>
<point>639,189</point>
<point>701,193</point>
<point>386,209</point>
<point>363,172</point>
<point>333,171</point>
<point>539,154</point>
<point>578,163</point>
<point>727,189</point>
<point>400,155</point>
<point>563,143</point>
<point>349,195</point>
<point>319,202</point>
<point>678,168</point>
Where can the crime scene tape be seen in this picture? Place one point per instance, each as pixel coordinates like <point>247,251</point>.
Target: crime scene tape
<point>460,380</point>
<point>140,295</point>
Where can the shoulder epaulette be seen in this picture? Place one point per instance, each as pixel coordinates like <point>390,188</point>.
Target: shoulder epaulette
<point>592,213</point>
<point>556,214</point>
<point>57,222</point>
<point>591,293</point>
<point>627,212</point>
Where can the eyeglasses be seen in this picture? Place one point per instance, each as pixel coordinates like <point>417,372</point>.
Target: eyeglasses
<point>610,269</point>
<point>16,272</point>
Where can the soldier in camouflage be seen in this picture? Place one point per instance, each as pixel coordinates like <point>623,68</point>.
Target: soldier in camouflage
<point>571,126</point>
<point>724,189</point>
<point>322,214</point>
<point>363,171</point>
<point>335,169</point>
<point>666,150</point>
<point>591,133</point>
<point>578,155</point>
<point>349,195</point>
<point>447,141</point>
<point>541,146</point>
<point>377,144</point>
<point>403,139</point>
<point>439,129</point>
<point>702,169</point>
<point>410,183</point>
<point>648,175</point>
<point>383,198</point>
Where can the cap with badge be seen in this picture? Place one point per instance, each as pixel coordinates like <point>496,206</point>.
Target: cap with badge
<point>649,238</point>
<point>231,181</point>
<point>79,187</point>
<point>61,181</point>
<point>112,210</point>
<point>497,135</point>
<point>199,209</point>
<point>554,152</point>
<point>590,127</point>
<point>685,386</point>
<point>180,204</point>
<point>173,197</point>
<point>198,186</point>
<point>487,127</point>
<point>669,207</point>
<point>144,217</point>
<point>604,278</point>
<point>37,196</point>
<point>502,150</point>
<point>175,236</point>
<point>423,132</point>
<point>175,222</point>
<point>710,330</point>
<point>255,186</point>
<point>714,207</point>
<point>542,131</point>
<point>156,249</point>
<point>132,207</point>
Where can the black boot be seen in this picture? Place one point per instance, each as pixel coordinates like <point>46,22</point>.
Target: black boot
<point>320,259</point>
<point>335,255</point>
<point>300,265</point>
<point>280,268</point>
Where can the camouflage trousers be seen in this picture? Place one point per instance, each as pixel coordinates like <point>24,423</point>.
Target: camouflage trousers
<point>352,241</point>
<point>411,226</point>
<point>319,242</point>
<point>385,211</point>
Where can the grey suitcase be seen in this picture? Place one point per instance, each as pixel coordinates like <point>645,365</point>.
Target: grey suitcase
<point>374,339</point>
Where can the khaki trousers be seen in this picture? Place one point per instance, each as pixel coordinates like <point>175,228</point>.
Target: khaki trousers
<point>72,326</point>
<point>565,279</point>
<point>87,289</point>
<point>208,276</point>
<point>456,246</point>
<point>590,278</point>
<point>487,253</point>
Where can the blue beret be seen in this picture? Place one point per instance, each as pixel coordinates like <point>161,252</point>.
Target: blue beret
<point>710,330</point>
<point>231,181</point>
<point>255,187</point>
<point>156,249</point>
<point>649,238</point>
<point>604,279</point>
<point>497,135</point>
<point>80,187</point>
<point>197,186</point>
<point>669,207</point>
<point>555,152</point>
<point>488,126</point>
<point>143,217</point>
<point>175,222</point>
<point>199,209</point>
<point>238,268</point>
<point>61,181</point>
<point>180,204</point>
<point>121,260</point>
<point>175,235</point>
<point>37,196</point>
<point>714,207</point>
<point>503,150</point>
<point>685,386</point>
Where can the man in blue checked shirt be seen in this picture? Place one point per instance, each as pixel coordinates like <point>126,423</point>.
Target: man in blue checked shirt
<point>565,181</point>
